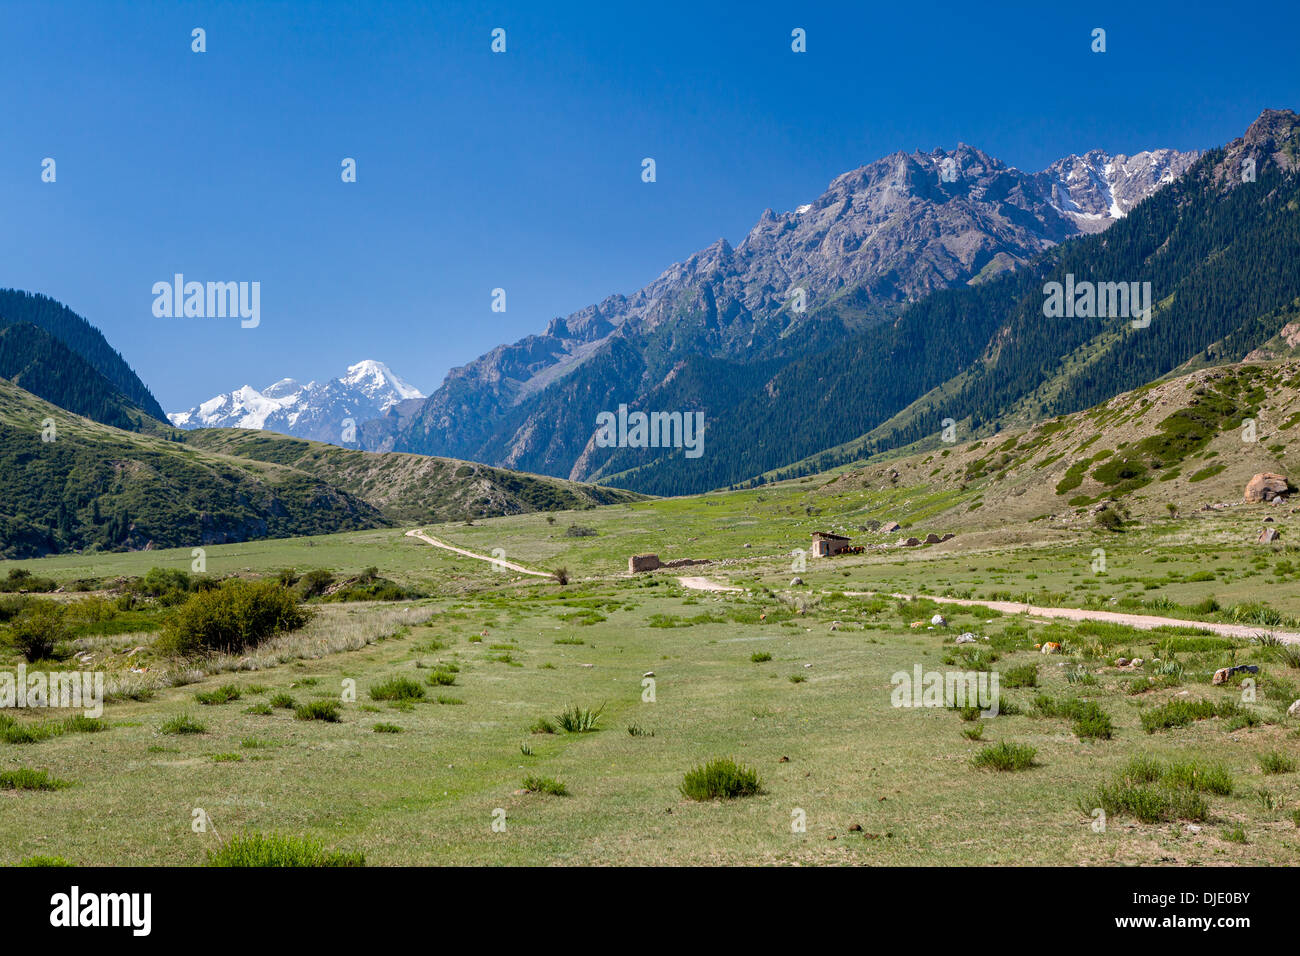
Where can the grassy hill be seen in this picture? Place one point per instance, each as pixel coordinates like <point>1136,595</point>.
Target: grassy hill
<point>1176,442</point>
<point>411,487</point>
<point>98,487</point>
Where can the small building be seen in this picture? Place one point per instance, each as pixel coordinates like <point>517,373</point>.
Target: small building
<point>825,544</point>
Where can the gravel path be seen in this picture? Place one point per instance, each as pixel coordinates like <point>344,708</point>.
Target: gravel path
<point>1141,621</point>
<point>419,533</point>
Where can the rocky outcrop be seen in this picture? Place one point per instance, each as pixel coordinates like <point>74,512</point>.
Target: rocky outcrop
<point>1266,486</point>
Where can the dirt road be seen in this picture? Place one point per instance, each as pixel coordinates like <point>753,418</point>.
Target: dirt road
<point>704,584</point>
<point>1141,621</point>
<point>419,533</point>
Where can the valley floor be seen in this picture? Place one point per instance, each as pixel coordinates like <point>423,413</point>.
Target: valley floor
<point>797,681</point>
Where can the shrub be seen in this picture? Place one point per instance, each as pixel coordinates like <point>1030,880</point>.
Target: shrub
<point>326,710</point>
<point>397,688</point>
<point>442,676</point>
<point>636,730</point>
<point>1149,804</point>
<point>973,733</point>
<point>183,724</point>
<point>561,575</point>
<point>386,729</point>
<point>542,726</point>
<point>313,584</point>
<point>168,586</point>
<point>279,850</point>
<point>282,701</point>
<point>81,724</point>
<point>1180,713</point>
<point>237,615</point>
<point>1026,676</point>
<point>45,861</point>
<point>1005,756</point>
<point>1090,721</point>
<point>578,720</point>
<point>1197,777</point>
<point>545,785</point>
<point>720,779</point>
<point>1109,520</point>
<point>20,579</point>
<point>24,778</point>
<point>760,657</point>
<point>1277,762</point>
<point>222,695</point>
<point>38,629</point>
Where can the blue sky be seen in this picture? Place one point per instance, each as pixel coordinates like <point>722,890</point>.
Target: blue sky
<point>522,170</point>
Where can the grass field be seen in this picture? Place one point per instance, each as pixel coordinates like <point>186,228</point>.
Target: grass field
<point>422,780</point>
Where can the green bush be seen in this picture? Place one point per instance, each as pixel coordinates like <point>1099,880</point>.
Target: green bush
<point>24,778</point>
<point>20,579</point>
<point>1005,756</point>
<point>222,695</point>
<point>168,586</point>
<point>1277,762</point>
<point>279,850</point>
<point>38,629</point>
<point>183,724</point>
<point>1024,676</point>
<point>313,584</point>
<point>237,615</point>
<point>720,779</point>
<point>397,688</point>
<point>326,710</point>
<point>545,785</point>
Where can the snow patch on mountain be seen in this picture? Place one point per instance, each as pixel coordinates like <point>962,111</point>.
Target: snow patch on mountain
<point>328,411</point>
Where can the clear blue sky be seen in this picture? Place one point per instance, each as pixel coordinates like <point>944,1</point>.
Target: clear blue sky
<point>522,170</point>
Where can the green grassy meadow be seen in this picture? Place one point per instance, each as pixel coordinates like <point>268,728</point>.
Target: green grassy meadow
<point>875,783</point>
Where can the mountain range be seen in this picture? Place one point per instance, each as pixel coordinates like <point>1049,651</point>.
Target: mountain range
<point>905,304</point>
<point>723,323</point>
<point>323,411</point>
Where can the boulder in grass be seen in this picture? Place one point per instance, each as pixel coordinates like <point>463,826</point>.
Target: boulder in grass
<point>1222,675</point>
<point>1294,709</point>
<point>939,621</point>
<point>1266,486</point>
<point>969,638</point>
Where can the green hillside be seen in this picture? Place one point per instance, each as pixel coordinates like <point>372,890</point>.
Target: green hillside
<point>78,335</point>
<point>413,488</point>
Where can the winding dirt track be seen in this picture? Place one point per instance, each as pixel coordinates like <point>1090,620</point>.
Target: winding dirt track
<point>1141,621</point>
<point>1144,622</point>
<point>419,533</point>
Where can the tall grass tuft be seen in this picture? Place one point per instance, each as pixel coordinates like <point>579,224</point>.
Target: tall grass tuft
<point>276,850</point>
<point>1006,757</point>
<point>720,779</point>
<point>578,720</point>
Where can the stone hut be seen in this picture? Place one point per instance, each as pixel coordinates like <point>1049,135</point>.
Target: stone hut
<point>825,544</point>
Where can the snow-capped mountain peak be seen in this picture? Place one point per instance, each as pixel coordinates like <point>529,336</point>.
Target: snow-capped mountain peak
<point>376,378</point>
<point>329,412</point>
